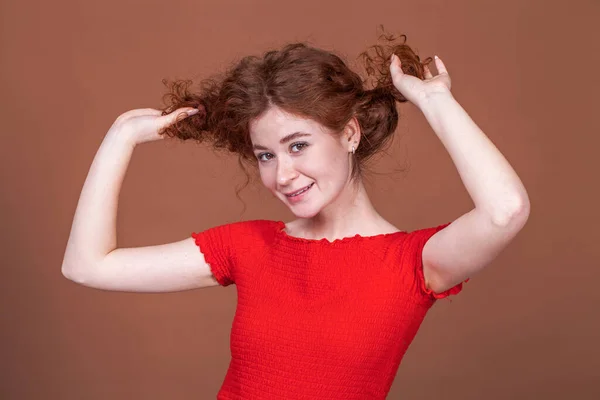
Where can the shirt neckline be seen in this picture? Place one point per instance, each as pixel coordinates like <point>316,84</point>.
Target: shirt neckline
<point>280,229</point>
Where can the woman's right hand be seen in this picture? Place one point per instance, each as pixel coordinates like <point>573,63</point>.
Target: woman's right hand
<point>92,257</point>
<point>143,125</point>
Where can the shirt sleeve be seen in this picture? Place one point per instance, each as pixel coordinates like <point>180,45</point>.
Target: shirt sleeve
<point>216,245</point>
<point>416,244</point>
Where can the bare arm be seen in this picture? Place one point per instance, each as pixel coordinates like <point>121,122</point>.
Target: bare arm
<point>476,238</point>
<point>91,257</point>
<point>502,206</point>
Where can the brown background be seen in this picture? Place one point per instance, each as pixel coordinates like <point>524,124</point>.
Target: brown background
<point>526,71</point>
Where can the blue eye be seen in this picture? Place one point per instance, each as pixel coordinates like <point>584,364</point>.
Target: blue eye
<point>296,147</point>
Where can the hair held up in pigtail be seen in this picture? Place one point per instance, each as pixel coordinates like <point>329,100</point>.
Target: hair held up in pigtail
<point>376,109</point>
<point>377,63</point>
<point>302,80</point>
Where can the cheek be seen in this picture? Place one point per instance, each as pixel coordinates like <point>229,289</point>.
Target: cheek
<point>267,177</point>
<point>331,167</point>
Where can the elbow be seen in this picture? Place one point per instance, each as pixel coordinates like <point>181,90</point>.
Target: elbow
<point>83,269</point>
<point>512,213</point>
<point>74,274</point>
<point>70,273</point>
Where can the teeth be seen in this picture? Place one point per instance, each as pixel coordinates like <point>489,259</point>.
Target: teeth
<point>300,191</point>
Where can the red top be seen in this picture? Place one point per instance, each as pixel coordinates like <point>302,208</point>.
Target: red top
<point>318,319</point>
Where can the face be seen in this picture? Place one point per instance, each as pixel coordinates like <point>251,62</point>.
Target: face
<point>304,164</point>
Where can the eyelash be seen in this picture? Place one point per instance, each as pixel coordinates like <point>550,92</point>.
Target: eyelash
<point>300,144</point>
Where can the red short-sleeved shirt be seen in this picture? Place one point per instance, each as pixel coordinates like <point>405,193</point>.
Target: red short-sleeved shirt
<point>318,319</point>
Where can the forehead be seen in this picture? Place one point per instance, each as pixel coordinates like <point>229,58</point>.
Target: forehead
<point>276,123</point>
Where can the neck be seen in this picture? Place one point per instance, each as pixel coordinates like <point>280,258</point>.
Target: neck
<point>350,214</point>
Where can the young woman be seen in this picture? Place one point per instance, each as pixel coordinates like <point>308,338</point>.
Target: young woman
<point>327,303</point>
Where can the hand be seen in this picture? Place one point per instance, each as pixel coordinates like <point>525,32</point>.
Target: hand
<point>418,91</point>
<point>143,125</point>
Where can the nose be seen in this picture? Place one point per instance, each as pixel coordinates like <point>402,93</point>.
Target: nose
<point>286,172</point>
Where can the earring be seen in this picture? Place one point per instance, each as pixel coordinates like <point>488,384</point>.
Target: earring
<point>352,149</point>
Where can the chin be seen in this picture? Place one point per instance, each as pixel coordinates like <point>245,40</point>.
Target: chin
<point>306,214</point>
<point>303,210</point>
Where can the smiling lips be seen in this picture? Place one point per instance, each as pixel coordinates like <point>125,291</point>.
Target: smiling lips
<point>299,192</point>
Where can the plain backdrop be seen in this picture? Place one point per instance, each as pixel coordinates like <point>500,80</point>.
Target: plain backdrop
<point>525,70</point>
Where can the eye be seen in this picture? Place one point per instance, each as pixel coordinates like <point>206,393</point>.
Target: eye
<point>296,147</point>
<point>263,157</point>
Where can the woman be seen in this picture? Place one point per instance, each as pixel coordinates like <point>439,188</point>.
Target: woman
<point>328,303</point>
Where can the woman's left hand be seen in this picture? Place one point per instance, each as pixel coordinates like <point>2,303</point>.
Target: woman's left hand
<point>419,91</point>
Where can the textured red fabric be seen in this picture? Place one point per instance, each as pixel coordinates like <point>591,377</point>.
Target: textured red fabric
<point>318,319</point>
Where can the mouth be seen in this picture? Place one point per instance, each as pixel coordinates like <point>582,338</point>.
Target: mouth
<point>299,192</point>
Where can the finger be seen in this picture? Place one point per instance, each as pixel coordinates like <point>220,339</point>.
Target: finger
<point>148,111</point>
<point>138,112</point>
<point>428,74</point>
<point>440,66</point>
<point>141,111</point>
<point>396,67</point>
<point>179,114</point>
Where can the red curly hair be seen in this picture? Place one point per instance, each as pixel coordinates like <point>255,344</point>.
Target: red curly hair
<point>302,80</point>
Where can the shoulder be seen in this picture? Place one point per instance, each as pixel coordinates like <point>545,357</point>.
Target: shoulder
<point>255,226</point>
<point>408,245</point>
<point>241,231</point>
<point>421,235</point>
<point>237,240</point>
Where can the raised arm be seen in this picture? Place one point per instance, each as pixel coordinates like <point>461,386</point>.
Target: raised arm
<point>473,240</point>
<point>92,257</point>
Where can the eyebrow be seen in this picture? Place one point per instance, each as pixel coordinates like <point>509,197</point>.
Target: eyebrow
<point>284,140</point>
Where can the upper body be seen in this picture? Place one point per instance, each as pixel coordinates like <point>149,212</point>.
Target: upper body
<point>331,300</point>
<point>318,319</point>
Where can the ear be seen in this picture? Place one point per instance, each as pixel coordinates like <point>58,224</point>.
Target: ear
<point>351,134</point>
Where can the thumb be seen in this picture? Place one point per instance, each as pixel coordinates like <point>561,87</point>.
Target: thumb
<point>396,68</point>
<point>177,115</point>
